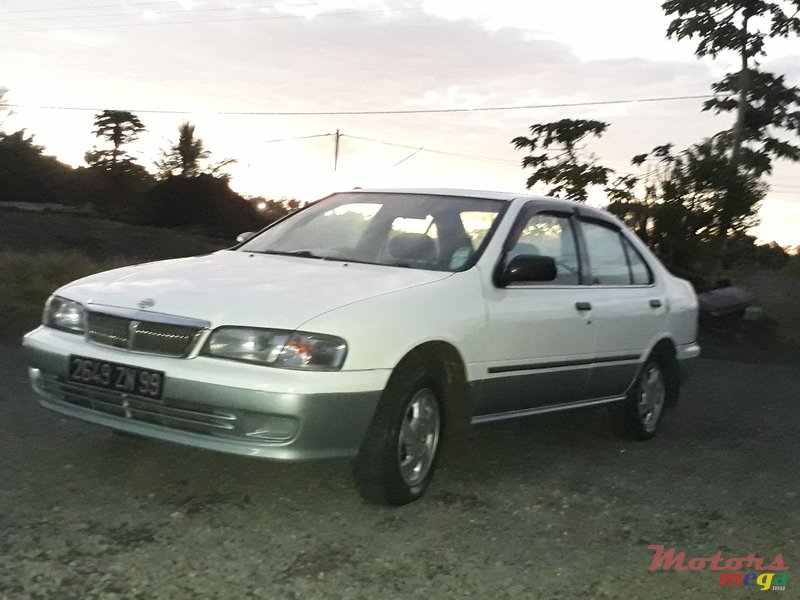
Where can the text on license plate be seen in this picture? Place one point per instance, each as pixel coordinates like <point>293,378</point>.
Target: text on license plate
<point>114,376</point>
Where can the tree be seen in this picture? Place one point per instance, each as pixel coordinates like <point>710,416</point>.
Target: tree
<point>4,110</point>
<point>119,127</point>
<point>116,176</point>
<point>674,206</point>
<point>771,108</point>
<point>28,175</point>
<point>272,210</point>
<point>204,202</point>
<point>634,198</point>
<point>558,162</point>
<point>185,157</point>
<point>763,104</point>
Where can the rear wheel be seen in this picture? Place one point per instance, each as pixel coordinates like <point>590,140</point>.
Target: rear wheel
<point>397,459</point>
<point>639,415</point>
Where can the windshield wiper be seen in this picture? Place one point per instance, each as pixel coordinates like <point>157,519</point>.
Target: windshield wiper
<point>301,253</point>
<point>309,254</point>
<point>348,260</point>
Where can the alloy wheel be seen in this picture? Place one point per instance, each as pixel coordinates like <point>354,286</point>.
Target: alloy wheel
<point>419,437</point>
<point>652,396</point>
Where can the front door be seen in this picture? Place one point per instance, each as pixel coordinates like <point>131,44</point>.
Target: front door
<point>540,340</point>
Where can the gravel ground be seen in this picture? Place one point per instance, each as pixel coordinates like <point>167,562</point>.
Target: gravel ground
<point>553,507</point>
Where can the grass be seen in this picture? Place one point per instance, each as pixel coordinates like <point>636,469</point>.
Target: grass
<point>777,292</point>
<point>98,239</point>
<point>40,252</point>
<point>28,279</point>
<point>776,337</point>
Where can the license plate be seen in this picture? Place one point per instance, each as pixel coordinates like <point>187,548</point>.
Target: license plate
<point>117,377</point>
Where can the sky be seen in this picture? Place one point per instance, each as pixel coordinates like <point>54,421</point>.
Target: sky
<point>217,63</point>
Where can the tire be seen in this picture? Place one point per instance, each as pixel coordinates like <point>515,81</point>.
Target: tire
<point>399,453</point>
<point>639,415</point>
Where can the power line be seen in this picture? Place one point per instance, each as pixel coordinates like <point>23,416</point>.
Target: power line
<point>86,7</point>
<point>180,11</point>
<point>420,111</point>
<point>122,14</point>
<point>302,137</point>
<point>137,4</point>
<point>207,21</point>
<point>416,149</point>
<point>413,111</point>
<point>402,160</point>
<point>96,109</point>
<point>385,143</point>
<point>465,155</point>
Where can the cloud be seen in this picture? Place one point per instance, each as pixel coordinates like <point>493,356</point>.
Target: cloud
<point>358,61</point>
<point>370,58</point>
<point>786,65</point>
<point>365,61</point>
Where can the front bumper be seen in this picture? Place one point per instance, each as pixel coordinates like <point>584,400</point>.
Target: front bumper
<point>214,404</point>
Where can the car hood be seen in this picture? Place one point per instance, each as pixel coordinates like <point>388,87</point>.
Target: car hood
<point>241,288</point>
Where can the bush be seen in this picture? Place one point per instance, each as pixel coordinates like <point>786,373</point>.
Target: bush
<point>203,202</point>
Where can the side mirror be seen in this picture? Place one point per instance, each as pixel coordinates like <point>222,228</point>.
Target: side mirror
<point>527,268</point>
<point>243,237</point>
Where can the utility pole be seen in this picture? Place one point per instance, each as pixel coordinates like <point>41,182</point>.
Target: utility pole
<point>336,150</point>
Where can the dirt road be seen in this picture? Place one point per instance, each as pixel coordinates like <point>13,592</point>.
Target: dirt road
<point>553,507</point>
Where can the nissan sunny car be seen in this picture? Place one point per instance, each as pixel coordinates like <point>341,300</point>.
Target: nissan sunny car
<point>376,325</point>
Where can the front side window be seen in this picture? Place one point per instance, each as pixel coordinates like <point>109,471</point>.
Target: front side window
<point>546,234</point>
<point>443,233</point>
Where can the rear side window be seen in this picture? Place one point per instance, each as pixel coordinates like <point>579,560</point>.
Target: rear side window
<point>607,258</point>
<point>640,272</point>
<point>612,259</point>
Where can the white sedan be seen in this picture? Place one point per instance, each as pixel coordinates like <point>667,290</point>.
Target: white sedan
<point>375,324</point>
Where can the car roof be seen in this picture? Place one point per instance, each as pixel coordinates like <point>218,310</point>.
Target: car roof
<point>553,203</point>
<point>489,195</point>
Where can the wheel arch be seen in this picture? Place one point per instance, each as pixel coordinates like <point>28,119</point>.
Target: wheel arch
<point>665,351</point>
<point>447,366</point>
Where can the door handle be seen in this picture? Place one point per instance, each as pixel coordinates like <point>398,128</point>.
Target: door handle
<point>655,303</point>
<point>582,306</point>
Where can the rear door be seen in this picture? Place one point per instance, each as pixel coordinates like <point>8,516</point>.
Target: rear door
<point>540,342</point>
<point>628,306</point>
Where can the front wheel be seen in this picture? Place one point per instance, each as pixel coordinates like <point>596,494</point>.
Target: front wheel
<point>639,415</point>
<point>397,459</point>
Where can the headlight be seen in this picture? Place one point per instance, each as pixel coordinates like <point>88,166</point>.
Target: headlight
<point>277,348</point>
<point>63,314</point>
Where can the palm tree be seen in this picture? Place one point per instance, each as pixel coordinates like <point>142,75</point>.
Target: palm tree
<point>118,127</point>
<point>185,157</point>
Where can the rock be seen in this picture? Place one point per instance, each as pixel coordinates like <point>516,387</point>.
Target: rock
<point>754,313</point>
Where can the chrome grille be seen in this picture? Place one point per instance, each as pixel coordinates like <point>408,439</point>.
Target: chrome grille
<point>175,414</point>
<point>107,330</point>
<point>140,335</point>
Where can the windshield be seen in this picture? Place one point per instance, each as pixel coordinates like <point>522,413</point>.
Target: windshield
<point>443,233</point>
